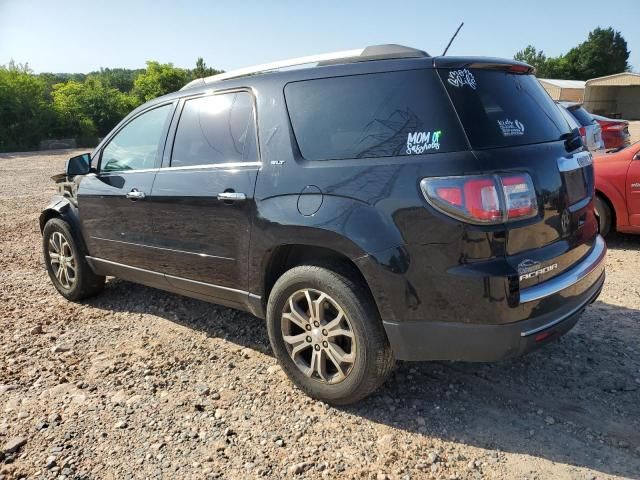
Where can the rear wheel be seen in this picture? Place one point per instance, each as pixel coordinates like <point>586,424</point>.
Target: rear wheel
<point>603,214</point>
<point>327,335</point>
<point>67,267</point>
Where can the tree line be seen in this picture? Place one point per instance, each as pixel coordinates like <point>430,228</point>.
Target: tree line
<point>35,107</point>
<point>603,53</point>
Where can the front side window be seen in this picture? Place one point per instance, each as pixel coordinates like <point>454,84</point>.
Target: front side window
<point>216,129</point>
<point>135,147</point>
<point>373,115</point>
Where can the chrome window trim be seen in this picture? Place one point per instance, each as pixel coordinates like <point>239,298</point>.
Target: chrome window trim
<point>189,167</point>
<point>121,172</point>
<point>593,260</point>
<point>214,165</point>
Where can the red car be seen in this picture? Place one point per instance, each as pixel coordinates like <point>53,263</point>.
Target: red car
<point>615,133</point>
<point>618,190</point>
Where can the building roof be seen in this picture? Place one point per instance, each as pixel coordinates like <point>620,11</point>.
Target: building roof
<point>618,79</point>
<point>563,83</point>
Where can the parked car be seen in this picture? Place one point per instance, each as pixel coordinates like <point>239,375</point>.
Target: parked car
<point>615,133</point>
<point>590,130</point>
<point>380,205</point>
<point>618,190</point>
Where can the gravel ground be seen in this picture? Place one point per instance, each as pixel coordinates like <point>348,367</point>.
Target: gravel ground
<point>138,383</point>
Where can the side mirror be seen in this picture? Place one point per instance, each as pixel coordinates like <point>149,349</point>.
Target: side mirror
<point>79,165</point>
<point>637,156</point>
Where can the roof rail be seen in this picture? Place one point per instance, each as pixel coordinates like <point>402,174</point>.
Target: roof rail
<point>374,52</point>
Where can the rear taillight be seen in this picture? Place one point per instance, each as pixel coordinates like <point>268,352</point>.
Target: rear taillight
<point>483,199</point>
<point>583,134</point>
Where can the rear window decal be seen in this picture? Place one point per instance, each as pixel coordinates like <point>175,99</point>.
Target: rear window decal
<point>420,142</point>
<point>511,128</point>
<point>460,78</point>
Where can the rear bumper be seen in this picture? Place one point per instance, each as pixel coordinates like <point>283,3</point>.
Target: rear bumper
<point>555,307</point>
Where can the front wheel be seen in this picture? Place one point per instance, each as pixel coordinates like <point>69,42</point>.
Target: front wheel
<point>67,267</point>
<point>327,335</point>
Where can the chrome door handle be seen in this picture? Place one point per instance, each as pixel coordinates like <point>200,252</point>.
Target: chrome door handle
<point>231,196</point>
<point>135,194</point>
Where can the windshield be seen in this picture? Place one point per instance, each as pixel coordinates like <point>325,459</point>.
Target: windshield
<point>500,109</point>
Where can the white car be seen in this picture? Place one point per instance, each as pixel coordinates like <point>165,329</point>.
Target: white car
<point>579,118</point>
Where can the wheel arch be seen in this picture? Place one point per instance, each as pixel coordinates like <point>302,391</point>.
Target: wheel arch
<point>61,207</point>
<point>284,257</point>
<point>617,219</point>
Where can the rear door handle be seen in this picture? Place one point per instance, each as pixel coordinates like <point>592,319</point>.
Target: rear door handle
<point>231,196</point>
<point>135,194</point>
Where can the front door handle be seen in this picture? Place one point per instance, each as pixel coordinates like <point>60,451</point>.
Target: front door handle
<point>135,194</point>
<point>231,196</point>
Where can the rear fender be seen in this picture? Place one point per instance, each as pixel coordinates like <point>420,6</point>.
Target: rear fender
<point>349,227</point>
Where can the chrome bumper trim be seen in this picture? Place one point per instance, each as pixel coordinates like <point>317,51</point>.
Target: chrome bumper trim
<point>572,276</point>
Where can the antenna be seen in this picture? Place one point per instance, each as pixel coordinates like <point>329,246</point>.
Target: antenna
<point>452,39</point>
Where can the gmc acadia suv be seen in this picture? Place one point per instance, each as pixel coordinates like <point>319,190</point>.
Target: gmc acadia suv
<point>379,204</point>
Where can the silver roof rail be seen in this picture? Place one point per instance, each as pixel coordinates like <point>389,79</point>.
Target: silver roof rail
<point>375,52</point>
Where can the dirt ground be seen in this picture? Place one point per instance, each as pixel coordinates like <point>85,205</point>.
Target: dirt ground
<point>138,383</point>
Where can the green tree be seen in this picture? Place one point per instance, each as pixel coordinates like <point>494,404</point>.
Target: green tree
<point>120,78</point>
<point>159,79</point>
<point>535,58</point>
<point>90,109</point>
<point>603,53</point>
<point>202,70</point>
<point>25,115</point>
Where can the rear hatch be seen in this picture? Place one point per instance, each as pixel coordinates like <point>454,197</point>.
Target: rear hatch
<point>514,127</point>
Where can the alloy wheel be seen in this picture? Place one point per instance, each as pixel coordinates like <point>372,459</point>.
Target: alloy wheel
<point>61,259</point>
<point>318,336</point>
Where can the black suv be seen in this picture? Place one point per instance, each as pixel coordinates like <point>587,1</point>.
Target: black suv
<point>381,204</point>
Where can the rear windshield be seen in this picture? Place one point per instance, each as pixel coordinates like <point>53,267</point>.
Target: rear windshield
<point>500,109</point>
<point>584,118</point>
<point>373,115</point>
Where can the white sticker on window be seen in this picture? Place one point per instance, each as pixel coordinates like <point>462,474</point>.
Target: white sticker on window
<point>460,78</point>
<point>511,128</point>
<point>420,142</point>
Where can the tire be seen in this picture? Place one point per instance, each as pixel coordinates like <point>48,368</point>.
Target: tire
<point>603,214</point>
<point>72,276</point>
<point>368,359</point>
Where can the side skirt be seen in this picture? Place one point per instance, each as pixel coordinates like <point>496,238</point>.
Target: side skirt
<point>226,296</point>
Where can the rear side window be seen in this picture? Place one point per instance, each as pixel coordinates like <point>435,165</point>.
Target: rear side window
<point>499,108</point>
<point>215,129</point>
<point>583,117</point>
<point>373,115</point>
